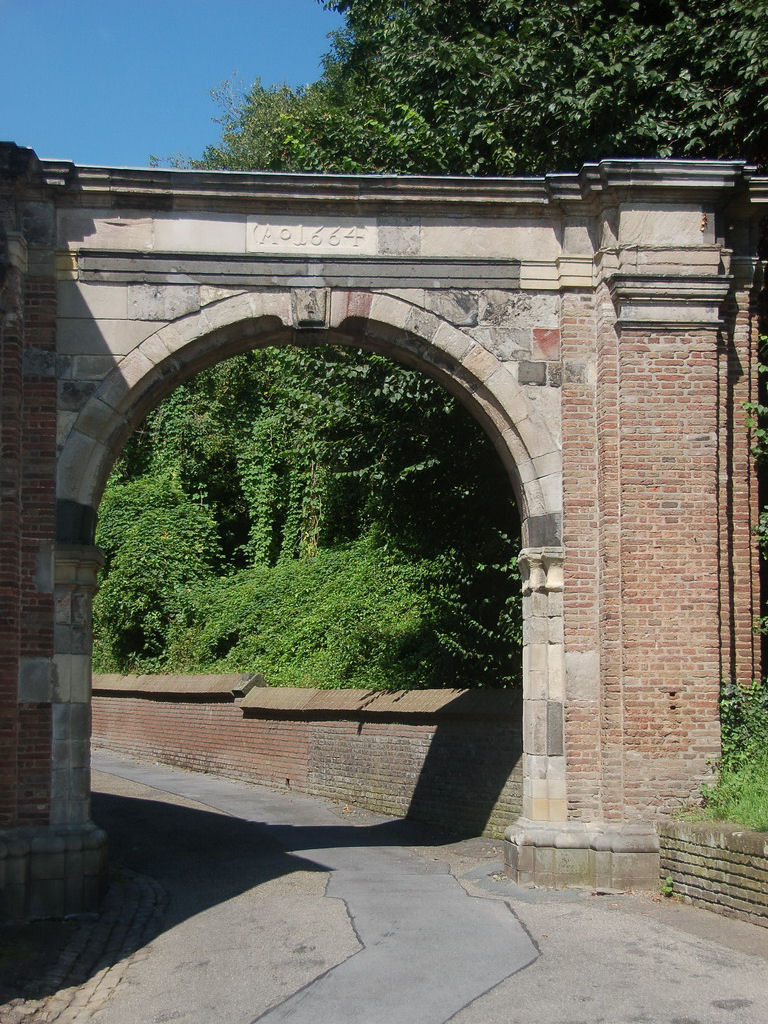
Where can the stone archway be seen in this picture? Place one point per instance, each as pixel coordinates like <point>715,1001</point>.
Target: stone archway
<point>600,327</point>
<point>388,325</point>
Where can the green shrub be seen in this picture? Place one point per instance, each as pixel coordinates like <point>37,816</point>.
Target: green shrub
<point>740,791</point>
<point>352,615</point>
<point>743,723</point>
<point>320,515</point>
<point>157,542</point>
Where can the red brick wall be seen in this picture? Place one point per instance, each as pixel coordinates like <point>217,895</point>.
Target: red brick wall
<point>670,583</point>
<point>609,581</point>
<point>462,774</point>
<point>38,500</point>
<point>205,737</point>
<point>659,509</point>
<point>738,498</point>
<point>11,342</point>
<point>27,529</point>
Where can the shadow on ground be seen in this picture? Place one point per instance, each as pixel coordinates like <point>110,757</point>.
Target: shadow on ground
<point>27,954</point>
<point>168,862</point>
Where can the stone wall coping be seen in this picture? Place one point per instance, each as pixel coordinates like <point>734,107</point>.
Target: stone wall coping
<point>258,698</point>
<point>222,686</point>
<point>718,835</point>
<point>437,702</point>
<point>163,187</point>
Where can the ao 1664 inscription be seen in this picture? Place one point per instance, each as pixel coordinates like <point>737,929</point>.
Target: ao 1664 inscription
<point>311,235</point>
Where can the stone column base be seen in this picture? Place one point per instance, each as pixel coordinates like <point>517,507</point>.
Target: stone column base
<point>594,855</point>
<point>51,872</point>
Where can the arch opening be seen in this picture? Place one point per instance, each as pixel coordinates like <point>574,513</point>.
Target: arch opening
<point>486,387</point>
<point>317,471</point>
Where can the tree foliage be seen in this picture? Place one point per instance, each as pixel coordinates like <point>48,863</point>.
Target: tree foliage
<point>322,516</point>
<point>509,87</point>
<point>157,543</point>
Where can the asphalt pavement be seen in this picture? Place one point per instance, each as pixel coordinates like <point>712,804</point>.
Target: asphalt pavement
<point>276,907</point>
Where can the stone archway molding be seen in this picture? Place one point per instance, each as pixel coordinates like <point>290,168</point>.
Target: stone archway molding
<point>393,326</point>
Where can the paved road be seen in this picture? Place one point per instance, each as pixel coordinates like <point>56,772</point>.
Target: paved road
<point>283,908</point>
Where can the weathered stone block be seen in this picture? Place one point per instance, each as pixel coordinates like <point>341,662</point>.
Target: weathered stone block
<point>602,866</point>
<point>199,232</point>
<point>399,236</point>
<point>654,224</point>
<point>38,223</point>
<point>520,309</point>
<point>161,302</point>
<point>582,675</point>
<point>79,300</point>
<point>91,367</point>
<point>546,343</point>
<point>573,867</point>
<point>103,229</point>
<point>635,870</point>
<point>457,306</point>
<point>506,343</point>
<point>480,363</point>
<point>575,371</point>
<point>532,372</point>
<point>47,897</point>
<point>554,728</point>
<point>39,363</point>
<point>84,337</point>
<point>36,679</point>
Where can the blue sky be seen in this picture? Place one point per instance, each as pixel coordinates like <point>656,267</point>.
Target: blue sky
<point>114,81</point>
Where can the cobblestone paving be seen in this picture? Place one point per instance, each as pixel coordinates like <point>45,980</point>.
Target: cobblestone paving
<point>96,957</point>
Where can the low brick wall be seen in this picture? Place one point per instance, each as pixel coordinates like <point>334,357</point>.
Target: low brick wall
<point>721,867</point>
<point>448,757</point>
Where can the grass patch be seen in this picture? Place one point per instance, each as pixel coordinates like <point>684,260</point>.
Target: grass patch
<point>740,795</point>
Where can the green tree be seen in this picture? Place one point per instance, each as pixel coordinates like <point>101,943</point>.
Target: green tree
<point>509,87</point>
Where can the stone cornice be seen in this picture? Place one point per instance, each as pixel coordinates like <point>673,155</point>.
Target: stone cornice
<point>665,301</point>
<point>156,188</point>
<point>176,188</point>
<point>17,163</point>
<point>638,176</point>
<point>758,189</point>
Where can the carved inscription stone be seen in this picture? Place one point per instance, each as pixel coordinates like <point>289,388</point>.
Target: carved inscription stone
<point>312,236</point>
